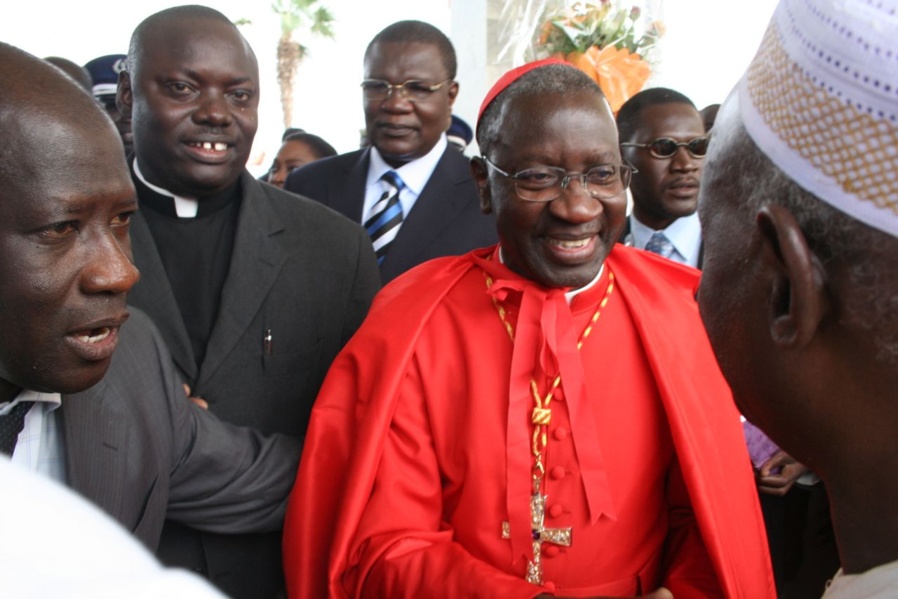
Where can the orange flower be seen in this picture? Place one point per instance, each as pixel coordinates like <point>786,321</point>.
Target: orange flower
<point>620,73</point>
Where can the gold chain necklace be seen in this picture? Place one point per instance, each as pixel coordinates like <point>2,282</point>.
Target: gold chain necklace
<point>540,417</point>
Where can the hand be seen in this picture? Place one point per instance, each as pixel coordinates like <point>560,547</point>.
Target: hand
<point>779,473</point>
<point>197,400</point>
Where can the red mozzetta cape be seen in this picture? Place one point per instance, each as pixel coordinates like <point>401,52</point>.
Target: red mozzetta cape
<point>356,404</point>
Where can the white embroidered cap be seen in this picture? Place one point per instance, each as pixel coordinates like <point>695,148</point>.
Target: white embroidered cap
<point>820,99</point>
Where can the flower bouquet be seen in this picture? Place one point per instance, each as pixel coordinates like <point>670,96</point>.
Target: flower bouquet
<point>600,38</point>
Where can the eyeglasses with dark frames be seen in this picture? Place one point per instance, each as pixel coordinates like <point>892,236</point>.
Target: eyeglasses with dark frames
<point>546,183</point>
<point>378,90</point>
<point>665,147</point>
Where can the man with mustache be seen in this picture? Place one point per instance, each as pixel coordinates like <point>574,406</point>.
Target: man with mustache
<point>410,189</point>
<point>663,137</point>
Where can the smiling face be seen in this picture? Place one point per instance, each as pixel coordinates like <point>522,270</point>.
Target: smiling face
<point>193,99</point>
<point>562,243</point>
<point>665,189</point>
<point>65,255</point>
<point>402,130</point>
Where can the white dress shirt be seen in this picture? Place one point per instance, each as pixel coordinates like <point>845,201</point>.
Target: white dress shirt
<point>39,448</point>
<point>685,234</point>
<point>415,174</point>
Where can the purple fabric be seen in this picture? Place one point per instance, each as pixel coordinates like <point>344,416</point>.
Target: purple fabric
<point>760,447</point>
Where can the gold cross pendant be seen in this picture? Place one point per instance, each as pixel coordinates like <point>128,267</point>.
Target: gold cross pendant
<point>540,535</point>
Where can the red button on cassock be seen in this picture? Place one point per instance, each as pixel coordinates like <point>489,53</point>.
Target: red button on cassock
<point>557,473</point>
<point>560,433</point>
<point>556,510</point>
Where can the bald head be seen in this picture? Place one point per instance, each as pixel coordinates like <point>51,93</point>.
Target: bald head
<point>165,21</point>
<point>75,71</point>
<point>39,107</point>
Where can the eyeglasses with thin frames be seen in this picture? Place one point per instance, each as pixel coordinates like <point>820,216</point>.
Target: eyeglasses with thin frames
<point>413,90</point>
<point>546,183</point>
<point>666,147</point>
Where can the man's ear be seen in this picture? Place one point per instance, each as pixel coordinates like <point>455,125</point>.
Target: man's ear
<point>123,96</point>
<point>480,172</point>
<point>797,302</point>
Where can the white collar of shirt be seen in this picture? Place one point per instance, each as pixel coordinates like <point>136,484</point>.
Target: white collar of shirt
<point>184,207</point>
<point>570,295</point>
<point>685,234</point>
<point>28,395</point>
<point>415,174</point>
<point>39,448</point>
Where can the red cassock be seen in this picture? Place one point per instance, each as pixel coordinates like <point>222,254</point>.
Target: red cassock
<point>419,446</point>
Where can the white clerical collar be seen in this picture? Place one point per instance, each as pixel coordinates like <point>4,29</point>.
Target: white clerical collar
<point>415,173</point>
<point>570,295</point>
<point>185,207</point>
<point>685,234</point>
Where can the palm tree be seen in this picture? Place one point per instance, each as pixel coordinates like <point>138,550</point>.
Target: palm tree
<point>297,14</point>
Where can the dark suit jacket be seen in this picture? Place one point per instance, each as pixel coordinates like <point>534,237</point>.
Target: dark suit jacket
<point>445,220</point>
<point>300,271</point>
<point>136,447</point>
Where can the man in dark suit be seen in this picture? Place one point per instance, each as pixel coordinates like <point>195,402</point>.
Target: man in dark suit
<point>408,93</point>
<point>662,135</point>
<point>87,398</point>
<point>253,289</point>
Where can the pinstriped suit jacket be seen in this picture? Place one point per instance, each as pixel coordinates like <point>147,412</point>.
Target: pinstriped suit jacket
<point>136,447</point>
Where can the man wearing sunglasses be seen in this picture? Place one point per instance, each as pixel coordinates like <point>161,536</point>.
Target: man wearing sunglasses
<point>409,189</point>
<point>662,135</point>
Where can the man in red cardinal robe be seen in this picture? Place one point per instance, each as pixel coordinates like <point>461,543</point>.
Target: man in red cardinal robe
<point>544,417</point>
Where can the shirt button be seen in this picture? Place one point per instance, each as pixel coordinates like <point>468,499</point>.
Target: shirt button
<point>560,433</point>
<point>556,510</point>
<point>549,586</point>
<point>551,551</point>
<point>557,473</point>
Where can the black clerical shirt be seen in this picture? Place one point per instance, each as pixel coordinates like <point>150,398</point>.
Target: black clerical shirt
<point>196,253</point>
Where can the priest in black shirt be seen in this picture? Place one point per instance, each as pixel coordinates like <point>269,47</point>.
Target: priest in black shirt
<point>254,289</point>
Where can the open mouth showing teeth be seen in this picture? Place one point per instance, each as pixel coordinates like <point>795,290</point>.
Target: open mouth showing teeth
<point>218,146</point>
<point>95,335</point>
<point>570,244</point>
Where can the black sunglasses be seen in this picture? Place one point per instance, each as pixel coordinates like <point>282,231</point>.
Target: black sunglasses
<point>665,147</point>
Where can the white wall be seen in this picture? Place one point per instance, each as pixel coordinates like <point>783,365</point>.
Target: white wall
<point>707,46</point>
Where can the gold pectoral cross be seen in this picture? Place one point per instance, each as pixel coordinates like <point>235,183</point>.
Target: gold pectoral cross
<point>540,535</point>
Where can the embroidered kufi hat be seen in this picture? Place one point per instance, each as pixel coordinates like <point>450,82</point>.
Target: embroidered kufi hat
<point>820,99</point>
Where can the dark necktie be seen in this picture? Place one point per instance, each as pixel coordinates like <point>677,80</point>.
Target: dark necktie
<point>660,244</point>
<point>386,215</point>
<point>11,425</point>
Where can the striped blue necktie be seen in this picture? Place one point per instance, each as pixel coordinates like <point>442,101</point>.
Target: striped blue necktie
<point>386,215</point>
<point>660,244</point>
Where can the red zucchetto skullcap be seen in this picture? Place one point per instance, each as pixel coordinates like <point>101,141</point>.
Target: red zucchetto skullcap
<point>509,78</point>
